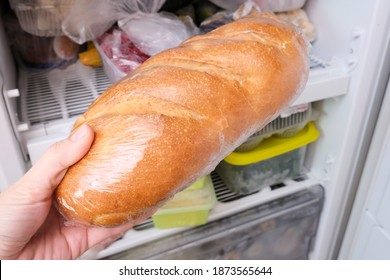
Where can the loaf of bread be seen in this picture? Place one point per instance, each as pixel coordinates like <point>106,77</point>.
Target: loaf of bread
<point>174,118</point>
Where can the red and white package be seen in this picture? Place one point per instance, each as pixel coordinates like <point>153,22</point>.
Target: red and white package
<point>117,50</point>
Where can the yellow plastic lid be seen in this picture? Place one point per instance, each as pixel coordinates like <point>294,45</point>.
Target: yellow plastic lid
<point>274,146</point>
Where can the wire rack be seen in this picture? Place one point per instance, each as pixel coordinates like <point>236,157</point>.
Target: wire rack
<point>48,95</point>
<point>59,93</point>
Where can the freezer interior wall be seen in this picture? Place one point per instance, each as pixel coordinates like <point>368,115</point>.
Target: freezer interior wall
<point>12,164</point>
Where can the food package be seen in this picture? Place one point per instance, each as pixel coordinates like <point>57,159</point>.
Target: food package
<point>215,21</point>
<point>272,161</point>
<point>190,207</point>
<point>300,19</point>
<point>265,5</point>
<point>155,32</point>
<point>176,116</point>
<point>119,54</point>
<point>89,19</point>
<point>91,57</point>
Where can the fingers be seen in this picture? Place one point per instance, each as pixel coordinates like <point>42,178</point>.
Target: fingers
<point>105,236</point>
<point>47,173</point>
<point>92,240</point>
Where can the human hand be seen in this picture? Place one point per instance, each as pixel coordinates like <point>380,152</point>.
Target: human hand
<point>30,226</point>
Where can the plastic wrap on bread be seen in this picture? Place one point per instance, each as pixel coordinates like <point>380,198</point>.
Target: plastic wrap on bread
<point>173,119</point>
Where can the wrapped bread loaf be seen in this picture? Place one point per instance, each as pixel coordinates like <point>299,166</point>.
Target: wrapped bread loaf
<point>174,118</point>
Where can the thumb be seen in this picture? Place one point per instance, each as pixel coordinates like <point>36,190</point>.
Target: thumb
<point>48,172</point>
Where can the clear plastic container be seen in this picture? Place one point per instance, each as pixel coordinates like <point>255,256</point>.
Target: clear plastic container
<point>37,51</point>
<point>281,229</point>
<point>189,207</point>
<point>112,71</point>
<point>274,160</point>
<point>289,123</point>
<point>42,17</point>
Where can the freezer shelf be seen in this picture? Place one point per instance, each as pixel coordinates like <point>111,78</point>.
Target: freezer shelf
<point>327,79</point>
<point>280,229</point>
<point>228,205</point>
<point>50,107</point>
<point>80,85</point>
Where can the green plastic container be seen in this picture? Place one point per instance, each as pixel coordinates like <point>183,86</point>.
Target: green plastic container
<point>189,207</point>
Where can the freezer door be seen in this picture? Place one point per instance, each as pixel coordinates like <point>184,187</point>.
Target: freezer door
<point>368,232</point>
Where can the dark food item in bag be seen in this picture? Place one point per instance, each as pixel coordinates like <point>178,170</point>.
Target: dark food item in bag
<point>215,21</point>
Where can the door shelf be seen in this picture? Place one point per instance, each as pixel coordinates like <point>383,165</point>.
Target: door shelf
<point>326,80</point>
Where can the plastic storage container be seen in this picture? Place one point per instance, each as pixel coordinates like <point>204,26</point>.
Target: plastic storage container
<point>41,17</point>
<point>281,229</point>
<point>274,160</point>
<point>290,122</point>
<point>112,71</point>
<point>36,51</point>
<point>189,207</point>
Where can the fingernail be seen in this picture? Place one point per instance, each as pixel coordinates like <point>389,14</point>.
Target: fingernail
<point>79,133</point>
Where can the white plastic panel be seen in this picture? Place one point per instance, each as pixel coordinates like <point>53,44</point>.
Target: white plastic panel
<point>12,165</point>
<point>368,232</point>
<point>37,146</point>
<point>384,210</point>
<point>372,241</point>
<point>330,80</point>
<point>378,245</point>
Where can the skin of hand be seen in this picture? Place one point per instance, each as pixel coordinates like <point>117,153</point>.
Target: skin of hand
<point>30,226</point>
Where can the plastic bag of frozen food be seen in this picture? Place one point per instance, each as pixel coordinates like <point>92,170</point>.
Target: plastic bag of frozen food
<point>300,19</point>
<point>119,54</point>
<point>224,17</point>
<point>265,5</point>
<point>89,19</point>
<point>155,32</point>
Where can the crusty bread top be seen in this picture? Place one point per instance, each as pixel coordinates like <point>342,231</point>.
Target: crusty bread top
<point>176,116</point>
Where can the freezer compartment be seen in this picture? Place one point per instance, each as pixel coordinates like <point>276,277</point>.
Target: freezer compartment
<point>280,229</point>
